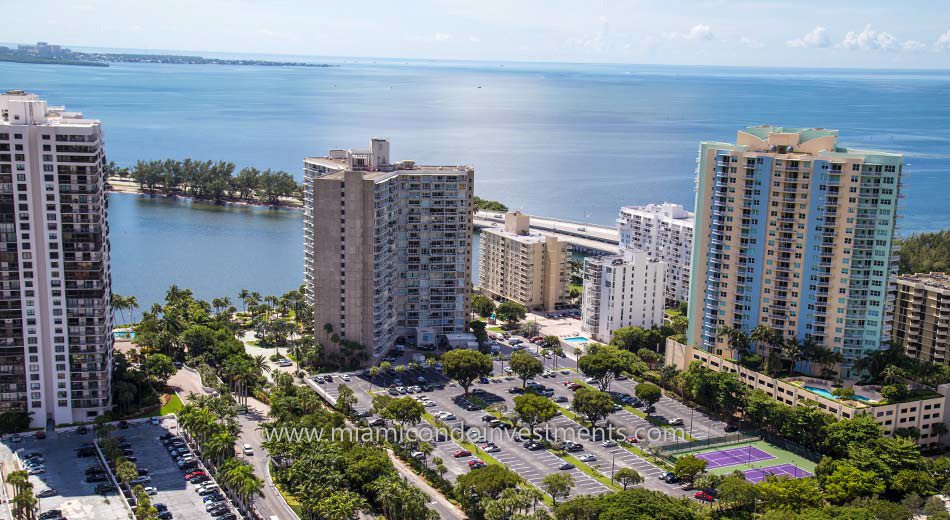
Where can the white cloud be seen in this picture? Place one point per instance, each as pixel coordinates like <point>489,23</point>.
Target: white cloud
<point>913,45</point>
<point>870,40</point>
<point>751,42</point>
<point>943,42</point>
<point>817,37</point>
<point>597,42</point>
<point>700,32</point>
<point>474,39</point>
<point>441,37</point>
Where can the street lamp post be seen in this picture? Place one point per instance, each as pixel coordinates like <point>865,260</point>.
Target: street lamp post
<point>612,459</point>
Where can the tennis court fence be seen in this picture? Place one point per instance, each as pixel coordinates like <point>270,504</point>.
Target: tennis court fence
<point>672,451</point>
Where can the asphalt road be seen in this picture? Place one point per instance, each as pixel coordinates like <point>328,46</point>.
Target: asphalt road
<point>270,503</point>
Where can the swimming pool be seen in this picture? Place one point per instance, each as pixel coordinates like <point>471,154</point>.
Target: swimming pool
<point>577,339</point>
<point>122,334</point>
<point>824,393</point>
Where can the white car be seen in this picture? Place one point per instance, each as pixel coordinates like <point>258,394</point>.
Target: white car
<point>39,470</point>
<point>430,404</point>
<point>676,421</point>
<point>141,480</point>
<point>151,490</point>
<point>587,457</point>
<point>345,377</point>
<point>609,444</point>
<point>248,450</point>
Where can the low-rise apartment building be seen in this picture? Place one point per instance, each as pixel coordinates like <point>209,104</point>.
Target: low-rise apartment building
<point>524,267</point>
<point>624,290</point>
<point>922,316</point>
<point>665,232</point>
<point>921,413</point>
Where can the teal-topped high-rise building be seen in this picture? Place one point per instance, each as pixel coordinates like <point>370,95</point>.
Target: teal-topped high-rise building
<point>797,234</point>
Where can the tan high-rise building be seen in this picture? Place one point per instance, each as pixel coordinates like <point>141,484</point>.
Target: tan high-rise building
<point>922,316</point>
<point>795,233</point>
<point>55,287</point>
<point>528,268</point>
<point>388,249</point>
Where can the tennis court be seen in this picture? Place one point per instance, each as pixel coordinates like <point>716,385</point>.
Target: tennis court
<point>733,456</point>
<point>755,459</point>
<point>789,470</point>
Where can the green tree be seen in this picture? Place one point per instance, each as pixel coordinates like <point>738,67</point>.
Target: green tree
<point>592,404</point>
<point>789,494</point>
<point>606,363</point>
<point>736,491</point>
<point>465,366</point>
<point>534,409</point>
<point>345,400</point>
<point>482,305</point>
<point>484,483</point>
<point>628,477</point>
<point>526,366</point>
<point>511,312</point>
<point>558,485</point>
<point>837,437</point>
<point>126,471</point>
<point>926,253</point>
<point>689,467</point>
<point>159,367</point>
<point>847,483</point>
<point>648,393</point>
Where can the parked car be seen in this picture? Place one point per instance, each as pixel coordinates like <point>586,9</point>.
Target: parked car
<point>703,496</point>
<point>46,493</point>
<point>248,450</point>
<point>151,490</point>
<point>609,444</point>
<point>565,466</point>
<point>105,488</point>
<point>462,453</point>
<point>676,421</point>
<point>587,457</point>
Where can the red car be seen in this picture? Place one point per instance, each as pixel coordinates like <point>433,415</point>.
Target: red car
<point>194,474</point>
<point>461,453</point>
<point>633,438</point>
<point>704,496</point>
<point>40,435</point>
<point>573,386</point>
<point>476,463</point>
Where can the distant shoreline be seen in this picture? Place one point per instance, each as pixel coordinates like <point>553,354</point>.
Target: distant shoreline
<point>128,188</point>
<point>102,59</point>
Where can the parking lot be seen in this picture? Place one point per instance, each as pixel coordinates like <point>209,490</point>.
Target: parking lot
<point>174,492</point>
<point>532,465</point>
<point>75,497</point>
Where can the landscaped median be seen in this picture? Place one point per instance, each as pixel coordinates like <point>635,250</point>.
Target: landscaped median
<point>583,467</point>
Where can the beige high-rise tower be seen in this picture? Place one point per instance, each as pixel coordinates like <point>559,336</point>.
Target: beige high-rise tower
<point>55,287</point>
<point>388,250</point>
<point>528,268</point>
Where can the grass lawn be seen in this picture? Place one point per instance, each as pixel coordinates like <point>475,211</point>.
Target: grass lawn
<point>173,405</point>
<point>781,457</point>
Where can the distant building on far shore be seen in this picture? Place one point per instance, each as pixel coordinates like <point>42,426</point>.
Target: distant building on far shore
<point>922,316</point>
<point>624,290</point>
<point>665,232</point>
<point>388,250</point>
<point>524,267</point>
<point>55,288</point>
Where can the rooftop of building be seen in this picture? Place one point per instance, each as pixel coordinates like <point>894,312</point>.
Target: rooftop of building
<point>374,163</point>
<point>531,238</point>
<point>14,112</point>
<point>933,280</point>
<point>666,209</point>
<point>625,257</point>
<point>800,144</point>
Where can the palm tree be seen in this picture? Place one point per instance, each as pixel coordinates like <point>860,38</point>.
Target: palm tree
<point>220,447</point>
<point>738,340</point>
<point>132,303</point>
<point>126,471</point>
<point>118,304</point>
<point>245,297</point>
<point>259,363</point>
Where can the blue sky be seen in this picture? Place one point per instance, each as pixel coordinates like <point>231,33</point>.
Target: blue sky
<point>831,33</point>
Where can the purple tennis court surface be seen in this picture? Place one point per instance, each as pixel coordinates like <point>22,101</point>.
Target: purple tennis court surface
<point>788,470</point>
<point>733,456</point>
